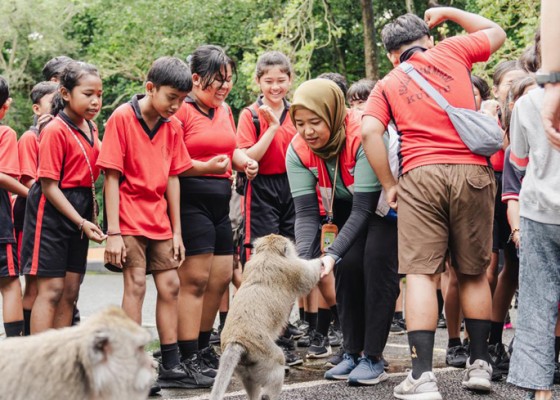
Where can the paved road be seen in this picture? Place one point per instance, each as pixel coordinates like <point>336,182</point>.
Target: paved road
<point>304,382</point>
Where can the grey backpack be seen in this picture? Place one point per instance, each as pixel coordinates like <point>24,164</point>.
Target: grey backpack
<point>480,133</point>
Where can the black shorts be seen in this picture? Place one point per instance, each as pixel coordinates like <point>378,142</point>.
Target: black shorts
<point>501,229</point>
<point>268,208</point>
<point>52,244</point>
<point>8,260</point>
<point>205,221</point>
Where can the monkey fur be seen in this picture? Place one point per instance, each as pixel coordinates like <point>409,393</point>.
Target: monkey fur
<point>101,359</point>
<point>273,278</point>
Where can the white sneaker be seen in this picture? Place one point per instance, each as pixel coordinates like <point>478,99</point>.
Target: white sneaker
<point>478,376</point>
<point>423,388</point>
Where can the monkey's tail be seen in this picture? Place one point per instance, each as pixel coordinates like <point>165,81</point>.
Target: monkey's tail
<point>228,361</point>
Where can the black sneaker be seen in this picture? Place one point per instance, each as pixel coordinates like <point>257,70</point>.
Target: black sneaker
<point>335,336</point>
<point>180,378</point>
<point>442,324</point>
<point>398,326</point>
<point>319,346</point>
<point>305,340</point>
<point>336,358</point>
<point>154,389</point>
<point>557,373</point>
<point>210,357</point>
<point>204,369</point>
<point>286,343</point>
<point>192,366</point>
<point>302,325</point>
<point>499,357</point>
<point>291,357</point>
<point>457,356</point>
<point>293,332</point>
<point>157,356</point>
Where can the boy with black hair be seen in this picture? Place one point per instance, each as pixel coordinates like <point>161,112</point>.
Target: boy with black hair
<point>445,192</point>
<point>28,151</point>
<point>10,287</point>
<point>142,155</point>
<point>54,67</point>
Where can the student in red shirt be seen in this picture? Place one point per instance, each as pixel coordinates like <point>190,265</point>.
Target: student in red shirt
<point>10,288</point>
<point>445,192</point>
<point>209,130</point>
<point>61,212</point>
<point>142,155</point>
<point>28,152</point>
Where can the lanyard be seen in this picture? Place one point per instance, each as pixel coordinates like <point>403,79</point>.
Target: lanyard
<point>95,205</point>
<point>330,199</point>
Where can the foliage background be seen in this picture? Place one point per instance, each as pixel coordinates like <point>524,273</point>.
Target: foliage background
<point>123,37</point>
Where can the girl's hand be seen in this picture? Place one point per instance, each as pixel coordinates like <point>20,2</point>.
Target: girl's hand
<point>93,232</point>
<point>328,265</point>
<point>251,169</point>
<point>218,165</point>
<point>178,248</point>
<point>269,116</point>
<point>115,251</point>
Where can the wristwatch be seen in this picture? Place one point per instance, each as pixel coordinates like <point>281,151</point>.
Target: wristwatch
<point>544,78</point>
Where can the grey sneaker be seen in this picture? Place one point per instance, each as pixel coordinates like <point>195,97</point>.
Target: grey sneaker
<point>423,388</point>
<point>477,376</point>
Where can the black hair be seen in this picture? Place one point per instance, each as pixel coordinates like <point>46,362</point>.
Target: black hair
<point>54,67</point>
<point>4,91</point>
<point>272,59</point>
<point>360,90</point>
<point>42,89</point>
<point>209,62</point>
<point>482,86</point>
<point>69,79</point>
<point>404,30</point>
<point>170,71</point>
<point>337,78</point>
<point>503,68</point>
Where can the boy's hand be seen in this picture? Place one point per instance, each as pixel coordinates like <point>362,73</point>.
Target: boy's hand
<point>328,265</point>
<point>251,169</point>
<point>550,113</point>
<point>435,16</point>
<point>218,165</point>
<point>269,116</point>
<point>178,248</point>
<point>115,251</point>
<point>391,197</point>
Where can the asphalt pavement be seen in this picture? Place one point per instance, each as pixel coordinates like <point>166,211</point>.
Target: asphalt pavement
<point>305,381</point>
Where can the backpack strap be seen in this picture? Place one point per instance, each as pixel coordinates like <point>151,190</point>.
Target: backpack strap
<point>256,121</point>
<point>429,89</point>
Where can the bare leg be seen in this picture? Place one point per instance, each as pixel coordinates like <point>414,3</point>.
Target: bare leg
<point>193,275</point>
<point>65,310</point>
<point>12,308</point>
<point>134,292</point>
<point>492,271</point>
<point>218,282</point>
<point>167,284</point>
<point>44,309</point>
<point>30,292</point>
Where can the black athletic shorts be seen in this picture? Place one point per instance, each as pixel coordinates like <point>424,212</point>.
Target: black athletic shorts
<point>52,244</point>
<point>268,208</point>
<point>501,229</point>
<point>8,260</point>
<point>205,221</point>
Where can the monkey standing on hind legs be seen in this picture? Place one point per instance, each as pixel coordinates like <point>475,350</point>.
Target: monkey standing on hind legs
<point>273,279</point>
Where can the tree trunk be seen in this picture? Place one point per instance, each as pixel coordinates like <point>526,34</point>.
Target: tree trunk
<point>410,6</point>
<point>370,53</point>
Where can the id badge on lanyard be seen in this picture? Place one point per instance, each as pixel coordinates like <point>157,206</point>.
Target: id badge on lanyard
<point>329,231</point>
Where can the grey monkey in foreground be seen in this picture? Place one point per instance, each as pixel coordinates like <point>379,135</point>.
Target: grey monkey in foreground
<point>101,359</point>
<point>273,278</point>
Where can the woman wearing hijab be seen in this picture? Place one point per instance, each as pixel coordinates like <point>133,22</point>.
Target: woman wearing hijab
<point>343,226</point>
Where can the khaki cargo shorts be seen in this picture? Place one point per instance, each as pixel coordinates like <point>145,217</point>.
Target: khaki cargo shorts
<point>441,208</point>
<point>152,255</point>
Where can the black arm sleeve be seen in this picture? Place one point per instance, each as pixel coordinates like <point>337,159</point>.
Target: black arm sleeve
<point>363,205</point>
<point>308,221</point>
